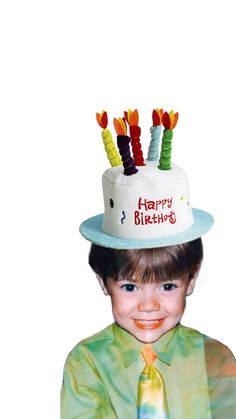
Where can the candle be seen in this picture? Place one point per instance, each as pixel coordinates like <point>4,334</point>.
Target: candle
<point>153,150</point>
<point>112,153</point>
<point>132,117</point>
<point>169,121</point>
<point>123,142</point>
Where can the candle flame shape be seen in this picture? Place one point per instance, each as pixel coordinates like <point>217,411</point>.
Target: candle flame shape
<point>170,119</point>
<point>132,117</point>
<point>157,115</point>
<point>120,126</point>
<point>102,119</point>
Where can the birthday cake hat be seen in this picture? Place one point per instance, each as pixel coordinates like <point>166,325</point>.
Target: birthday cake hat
<point>146,202</point>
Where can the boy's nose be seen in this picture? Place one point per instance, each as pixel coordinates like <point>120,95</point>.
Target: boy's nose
<point>149,304</point>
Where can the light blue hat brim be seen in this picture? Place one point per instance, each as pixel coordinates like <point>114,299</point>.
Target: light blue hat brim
<point>91,229</point>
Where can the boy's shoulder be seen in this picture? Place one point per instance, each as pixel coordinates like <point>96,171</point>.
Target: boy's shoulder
<point>96,341</point>
<point>185,332</point>
<point>212,347</point>
<point>103,335</point>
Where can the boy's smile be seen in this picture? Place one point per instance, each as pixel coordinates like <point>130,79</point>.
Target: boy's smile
<point>148,324</point>
<point>147,311</point>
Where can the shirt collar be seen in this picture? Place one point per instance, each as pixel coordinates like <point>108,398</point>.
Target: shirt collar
<point>130,347</point>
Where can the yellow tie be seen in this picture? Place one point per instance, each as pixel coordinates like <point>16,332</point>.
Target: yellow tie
<point>151,391</point>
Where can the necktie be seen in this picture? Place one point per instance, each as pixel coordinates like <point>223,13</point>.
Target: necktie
<point>151,392</point>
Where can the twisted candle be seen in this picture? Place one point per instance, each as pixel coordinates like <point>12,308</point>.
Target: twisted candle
<point>153,150</point>
<point>166,149</point>
<point>124,148</point>
<point>112,153</point>
<point>132,117</point>
<point>110,148</point>
<point>123,142</point>
<point>169,121</point>
<point>135,132</point>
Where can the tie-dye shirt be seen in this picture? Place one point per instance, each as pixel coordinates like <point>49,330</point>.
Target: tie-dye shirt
<point>101,376</point>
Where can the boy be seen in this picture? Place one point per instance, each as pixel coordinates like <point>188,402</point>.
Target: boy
<point>146,252</point>
<point>148,289</point>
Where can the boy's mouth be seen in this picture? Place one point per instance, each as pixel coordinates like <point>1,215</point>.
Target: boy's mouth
<point>148,324</point>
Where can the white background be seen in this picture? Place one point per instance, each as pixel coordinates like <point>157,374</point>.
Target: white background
<point>61,62</point>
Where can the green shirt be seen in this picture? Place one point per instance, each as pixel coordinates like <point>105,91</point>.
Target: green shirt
<point>101,376</point>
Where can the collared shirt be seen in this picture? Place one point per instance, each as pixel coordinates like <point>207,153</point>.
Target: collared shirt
<point>101,376</point>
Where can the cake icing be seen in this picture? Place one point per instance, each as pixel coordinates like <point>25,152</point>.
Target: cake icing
<point>149,204</point>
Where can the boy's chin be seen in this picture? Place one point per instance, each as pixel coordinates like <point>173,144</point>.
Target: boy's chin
<point>148,337</point>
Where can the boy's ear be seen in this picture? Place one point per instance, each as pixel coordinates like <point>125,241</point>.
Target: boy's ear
<point>192,280</point>
<point>102,285</point>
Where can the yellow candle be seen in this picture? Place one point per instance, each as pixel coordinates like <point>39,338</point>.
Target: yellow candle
<point>110,148</point>
<point>112,153</point>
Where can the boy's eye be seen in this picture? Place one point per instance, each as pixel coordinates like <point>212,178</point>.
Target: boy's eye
<point>129,287</point>
<point>168,287</point>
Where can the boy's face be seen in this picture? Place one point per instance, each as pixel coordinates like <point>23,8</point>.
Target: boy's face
<point>147,311</point>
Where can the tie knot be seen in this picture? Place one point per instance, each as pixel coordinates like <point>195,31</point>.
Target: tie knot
<point>148,354</point>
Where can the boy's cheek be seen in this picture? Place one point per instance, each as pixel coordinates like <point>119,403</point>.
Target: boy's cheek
<point>175,306</point>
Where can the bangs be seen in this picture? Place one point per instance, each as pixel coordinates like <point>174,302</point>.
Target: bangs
<point>151,265</point>
<point>147,265</point>
<point>155,265</point>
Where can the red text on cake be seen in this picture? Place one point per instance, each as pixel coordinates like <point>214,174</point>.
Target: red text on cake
<point>145,204</point>
<point>142,219</point>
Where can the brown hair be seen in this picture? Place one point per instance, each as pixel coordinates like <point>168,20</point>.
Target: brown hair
<point>146,265</point>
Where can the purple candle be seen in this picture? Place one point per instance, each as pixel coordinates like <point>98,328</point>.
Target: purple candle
<point>123,142</point>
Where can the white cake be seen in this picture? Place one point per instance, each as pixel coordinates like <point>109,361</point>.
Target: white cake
<point>149,204</point>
